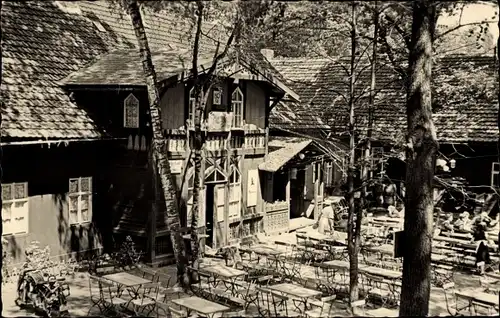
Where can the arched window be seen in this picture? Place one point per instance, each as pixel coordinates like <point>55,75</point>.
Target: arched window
<point>237,107</point>
<point>235,193</point>
<point>214,175</point>
<point>191,107</point>
<point>131,112</point>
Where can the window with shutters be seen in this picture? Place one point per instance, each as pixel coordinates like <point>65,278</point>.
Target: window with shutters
<point>495,171</point>
<point>237,107</point>
<point>131,112</point>
<point>15,208</point>
<point>80,200</point>
<point>235,194</point>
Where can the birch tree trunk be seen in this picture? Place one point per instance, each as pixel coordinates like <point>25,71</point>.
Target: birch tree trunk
<point>198,142</point>
<point>353,234</point>
<point>172,217</point>
<point>422,146</point>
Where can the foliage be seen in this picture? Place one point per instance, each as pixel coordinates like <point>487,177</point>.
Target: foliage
<point>127,255</point>
<point>7,270</point>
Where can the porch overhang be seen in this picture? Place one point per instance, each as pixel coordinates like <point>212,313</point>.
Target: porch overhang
<point>287,149</point>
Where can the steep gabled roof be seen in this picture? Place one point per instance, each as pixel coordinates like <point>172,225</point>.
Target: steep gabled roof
<point>46,41</point>
<point>291,115</point>
<point>323,85</point>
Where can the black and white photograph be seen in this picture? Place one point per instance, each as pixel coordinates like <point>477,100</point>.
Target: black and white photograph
<point>250,158</point>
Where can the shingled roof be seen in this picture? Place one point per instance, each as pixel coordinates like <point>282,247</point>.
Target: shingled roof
<point>323,86</point>
<point>46,41</point>
<point>291,115</point>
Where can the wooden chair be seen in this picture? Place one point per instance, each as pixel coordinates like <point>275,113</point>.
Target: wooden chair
<point>450,299</point>
<point>322,308</point>
<point>271,304</point>
<point>377,288</point>
<point>146,300</point>
<point>176,313</point>
<point>105,296</point>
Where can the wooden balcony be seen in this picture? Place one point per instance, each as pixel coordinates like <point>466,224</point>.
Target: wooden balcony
<point>239,140</point>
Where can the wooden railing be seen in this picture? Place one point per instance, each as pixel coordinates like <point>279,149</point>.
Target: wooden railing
<point>277,219</point>
<point>250,139</point>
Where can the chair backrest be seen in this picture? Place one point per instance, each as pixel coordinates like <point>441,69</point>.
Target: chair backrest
<point>176,313</point>
<point>95,286</point>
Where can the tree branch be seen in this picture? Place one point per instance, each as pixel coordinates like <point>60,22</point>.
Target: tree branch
<point>196,44</point>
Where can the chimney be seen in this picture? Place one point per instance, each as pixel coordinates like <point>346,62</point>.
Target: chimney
<point>269,54</point>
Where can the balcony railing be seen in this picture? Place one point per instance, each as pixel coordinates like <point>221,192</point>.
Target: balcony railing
<point>248,139</point>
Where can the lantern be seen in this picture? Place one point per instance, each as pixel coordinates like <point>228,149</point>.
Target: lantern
<point>453,163</point>
<point>293,173</point>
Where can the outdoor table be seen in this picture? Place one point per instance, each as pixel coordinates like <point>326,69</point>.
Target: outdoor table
<point>474,296</point>
<point>334,267</point>
<point>336,238</point>
<point>388,219</point>
<point>131,282</point>
<point>382,272</point>
<point>200,305</point>
<point>296,291</point>
<point>228,275</point>
<point>272,254</point>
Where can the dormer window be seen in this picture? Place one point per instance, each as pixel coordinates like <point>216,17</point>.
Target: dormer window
<point>237,107</point>
<point>131,112</point>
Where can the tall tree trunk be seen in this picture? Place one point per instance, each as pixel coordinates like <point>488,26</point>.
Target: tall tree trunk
<point>172,217</point>
<point>198,142</point>
<point>422,146</point>
<point>367,145</point>
<point>498,120</point>
<point>353,235</point>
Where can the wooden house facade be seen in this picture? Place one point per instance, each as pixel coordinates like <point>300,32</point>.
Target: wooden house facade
<point>85,119</point>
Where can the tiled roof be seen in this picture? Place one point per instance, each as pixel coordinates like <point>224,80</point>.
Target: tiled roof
<point>45,41</point>
<point>290,115</point>
<point>123,67</point>
<point>323,86</point>
<point>282,150</point>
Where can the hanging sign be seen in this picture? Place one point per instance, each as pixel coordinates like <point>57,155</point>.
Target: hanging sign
<point>175,166</point>
<point>253,182</point>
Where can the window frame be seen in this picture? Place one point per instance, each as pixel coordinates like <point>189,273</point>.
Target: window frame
<point>13,201</point>
<point>237,104</point>
<point>235,183</point>
<point>78,194</point>
<point>126,106</point>
<point>494,172</point>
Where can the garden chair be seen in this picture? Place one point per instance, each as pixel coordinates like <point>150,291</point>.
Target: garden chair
<point>451,299</point>
<point>104,296</point>
<point>321,308</point>
<point>377,288</point>
<point>271,304</point>
<point>146,300</point>
<point>176,313</point>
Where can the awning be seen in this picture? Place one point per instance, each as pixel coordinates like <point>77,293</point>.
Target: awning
<point>287,149</point>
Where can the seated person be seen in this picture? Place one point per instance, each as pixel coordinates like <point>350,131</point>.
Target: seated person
<point>447,224</point>
<point>463,224</point>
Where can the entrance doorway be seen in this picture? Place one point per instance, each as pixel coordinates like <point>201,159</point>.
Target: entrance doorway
<point>297,203</point>
<point>209,213</point>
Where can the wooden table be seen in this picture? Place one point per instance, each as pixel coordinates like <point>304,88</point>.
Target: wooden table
<point>200,305</point>
<point>382,272</point>
<point>223,273</point>
<point>489,300</point>
<point>296,291</point>
<point>131,282</point>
